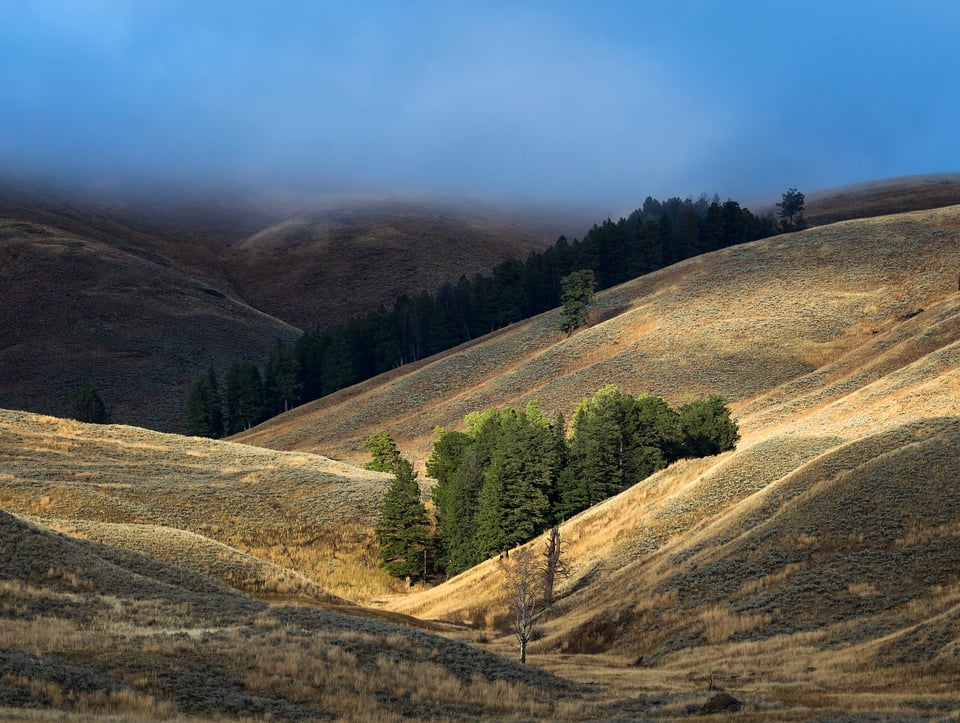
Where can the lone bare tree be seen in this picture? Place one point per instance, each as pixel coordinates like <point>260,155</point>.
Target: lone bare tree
<point>524,585</point>
<point>530,584</point>
<point>553,565</point>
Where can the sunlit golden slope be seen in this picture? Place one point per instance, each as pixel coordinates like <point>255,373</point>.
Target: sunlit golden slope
<point>740,322</point>
<point>158,493</point>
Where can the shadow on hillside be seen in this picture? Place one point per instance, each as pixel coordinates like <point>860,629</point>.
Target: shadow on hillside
<point>585,580</point>
<point>600,315</point>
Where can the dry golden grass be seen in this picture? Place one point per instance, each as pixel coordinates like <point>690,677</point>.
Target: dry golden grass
<point>141,640</point>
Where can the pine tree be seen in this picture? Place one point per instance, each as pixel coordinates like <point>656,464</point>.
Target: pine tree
<point>385,457</point>
<point>617,441</point>
<point>576,298</point>
<point>791,211</point>
<point>203,410</point>
<point>404,530</point>
<point>453,505</point>
<point>706,427</point>
<point>519,481</point>
<point>491,535</point>
<point>283,384</point>
<point>457,525</point>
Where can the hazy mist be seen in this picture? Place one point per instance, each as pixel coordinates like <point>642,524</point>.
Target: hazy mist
<point>563,101</point>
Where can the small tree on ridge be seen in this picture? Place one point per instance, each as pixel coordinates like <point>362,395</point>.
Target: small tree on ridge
<point>576,297</point>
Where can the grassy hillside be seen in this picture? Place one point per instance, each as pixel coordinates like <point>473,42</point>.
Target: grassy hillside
<point>156,493</point>
<point>89,630</point>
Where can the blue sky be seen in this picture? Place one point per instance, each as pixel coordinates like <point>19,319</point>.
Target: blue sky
<point>591,101</point>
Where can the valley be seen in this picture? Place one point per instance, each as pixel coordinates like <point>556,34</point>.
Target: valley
<point>811,573</point>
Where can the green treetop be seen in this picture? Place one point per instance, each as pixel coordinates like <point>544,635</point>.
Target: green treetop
<point>385,457</point>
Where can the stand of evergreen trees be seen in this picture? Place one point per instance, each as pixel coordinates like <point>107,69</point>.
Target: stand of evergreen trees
<point>513,473</point>
<point>322,361</point>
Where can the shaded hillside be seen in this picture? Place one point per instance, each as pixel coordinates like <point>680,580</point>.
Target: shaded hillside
<point>322,267</point>
<point>80,310</point>
<point>888,196</point>
<point>738,322</point>
<point>137,297</point>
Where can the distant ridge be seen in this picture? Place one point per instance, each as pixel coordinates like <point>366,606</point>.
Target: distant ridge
<point>887,196</point>
<point>138,297</point>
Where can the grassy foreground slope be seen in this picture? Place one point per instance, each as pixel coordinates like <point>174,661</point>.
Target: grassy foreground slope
<point>92,632</point>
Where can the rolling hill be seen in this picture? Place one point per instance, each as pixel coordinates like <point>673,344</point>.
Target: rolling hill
<point>812,572</point>
<point>90,630</point>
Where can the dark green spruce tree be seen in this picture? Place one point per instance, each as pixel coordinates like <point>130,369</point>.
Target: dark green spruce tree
<point>452,508</point>
<point>283,383</point>
<point>617,440</point>
<point>518,484</point>
<point>576,297</point>
<point>707,428</point>
<point>203,408</point>
<point>404,529</point>
<point>87,406</point>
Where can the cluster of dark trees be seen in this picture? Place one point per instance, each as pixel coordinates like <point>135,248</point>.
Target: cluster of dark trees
<point>510,474</point>
<point>246,396</point>
<point>87,406</point>
<point>322,361</point>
